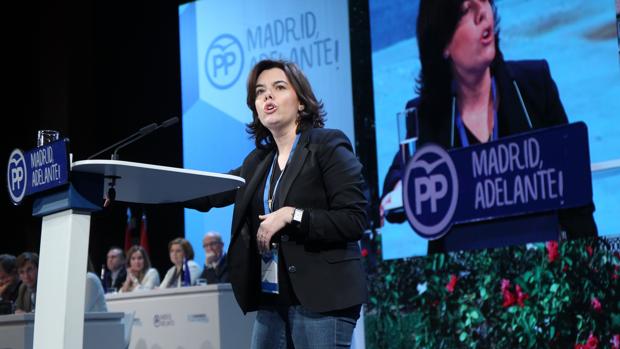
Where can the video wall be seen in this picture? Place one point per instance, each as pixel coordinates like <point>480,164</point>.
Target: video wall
<point>579,40</point>
<point>220,43</point>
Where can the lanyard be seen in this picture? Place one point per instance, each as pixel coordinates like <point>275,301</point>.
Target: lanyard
<point>461,127</point>
<point>267,202</point>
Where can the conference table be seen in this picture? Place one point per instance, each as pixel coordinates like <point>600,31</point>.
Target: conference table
<point>197,317</point>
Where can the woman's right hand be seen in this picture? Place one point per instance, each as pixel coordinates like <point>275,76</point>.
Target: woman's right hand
<point>128,284</point>
<point>392,200</point>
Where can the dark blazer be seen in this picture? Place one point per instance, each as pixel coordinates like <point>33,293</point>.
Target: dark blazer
<point>118,283</point>
<point>322,256</point>
<point>216,275</point>
<point>24,299</point>
<point>542,102</point>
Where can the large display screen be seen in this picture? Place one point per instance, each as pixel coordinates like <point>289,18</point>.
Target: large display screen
<point>579,40</point>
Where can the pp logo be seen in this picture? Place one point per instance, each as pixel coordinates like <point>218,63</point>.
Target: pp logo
<point>16,176</point>
<point>430,190</point>
<point>224,61</point>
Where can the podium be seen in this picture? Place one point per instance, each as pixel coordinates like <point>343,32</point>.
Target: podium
<point>66,210</point>
<point>509,191</point>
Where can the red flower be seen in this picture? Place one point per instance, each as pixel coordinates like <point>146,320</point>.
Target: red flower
<point>509,298</point>
<point>521,296</point>
<point>596,305</point>
<point>451,283</point>
<point>552,249</point>
<point>592,342</point>
<point>580,346</point>
<point>364,252</point>
<point>589,250</point>
<point>615,341</point>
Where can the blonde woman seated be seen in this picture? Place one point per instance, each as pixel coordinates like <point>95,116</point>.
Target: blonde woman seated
<point>180,251</point>
<point>140,275</point>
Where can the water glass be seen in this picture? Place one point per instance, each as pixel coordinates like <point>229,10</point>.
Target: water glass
<point>47,136</point>
<point>407,132</point>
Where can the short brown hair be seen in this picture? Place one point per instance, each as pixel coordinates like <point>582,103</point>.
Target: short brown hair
<point>26,257</point>
<point>185,245</point>
<point>312,116</point>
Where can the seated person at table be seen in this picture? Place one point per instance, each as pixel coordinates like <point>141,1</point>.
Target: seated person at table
<point>95,296</point>
<point>140,275</point>
<point>181,255</point>
<point>114,276</point>
<point>215,270</point>
<point>27,268</point>
<point>9,280</point>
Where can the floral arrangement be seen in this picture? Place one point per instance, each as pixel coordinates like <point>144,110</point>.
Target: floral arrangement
<point>547,295</point>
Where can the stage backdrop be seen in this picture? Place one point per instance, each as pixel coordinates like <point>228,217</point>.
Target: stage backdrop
<point>577,38</point>
<point>220,43</point>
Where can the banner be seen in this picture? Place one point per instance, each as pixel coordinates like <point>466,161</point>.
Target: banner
<point>220,43</point>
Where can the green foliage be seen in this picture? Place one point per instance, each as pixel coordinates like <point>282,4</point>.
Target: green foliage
<point>556,302</point>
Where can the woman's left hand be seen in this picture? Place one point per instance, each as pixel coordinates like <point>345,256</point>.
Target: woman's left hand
<point>270,225</point>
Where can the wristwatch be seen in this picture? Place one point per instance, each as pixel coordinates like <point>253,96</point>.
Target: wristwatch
<point>298,213</point>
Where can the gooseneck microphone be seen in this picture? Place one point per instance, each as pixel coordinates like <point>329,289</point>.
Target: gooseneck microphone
<point>150,128</point>
<point>143,132</point>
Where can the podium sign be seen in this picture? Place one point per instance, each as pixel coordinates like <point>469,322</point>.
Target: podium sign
<point>539,171</point>
<point>37,170</point>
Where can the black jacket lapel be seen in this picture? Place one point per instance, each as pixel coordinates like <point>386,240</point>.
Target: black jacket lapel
<point>256,171</point>
<point>509,104</point>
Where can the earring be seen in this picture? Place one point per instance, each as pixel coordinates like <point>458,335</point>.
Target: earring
<point>301,107</point>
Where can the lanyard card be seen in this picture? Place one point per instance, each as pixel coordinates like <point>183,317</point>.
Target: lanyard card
<point>269,272</point>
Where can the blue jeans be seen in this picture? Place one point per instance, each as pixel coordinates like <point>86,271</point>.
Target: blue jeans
<point>298,328</point>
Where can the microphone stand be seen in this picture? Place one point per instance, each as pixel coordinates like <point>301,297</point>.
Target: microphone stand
<point>111,193</point>
<point>141,133</point>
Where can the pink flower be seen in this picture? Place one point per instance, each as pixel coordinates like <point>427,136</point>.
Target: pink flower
<point>451,283</point>
<point>615,341</point>
<point>580,346</point>
<point>552,249</point>
<point>505,284</point>
<point>364,252</point>
<point>596,305</point>
<point>592,342</point>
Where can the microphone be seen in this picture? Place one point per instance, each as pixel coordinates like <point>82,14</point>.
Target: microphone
<point>145,131</point>
<point>152,127</point>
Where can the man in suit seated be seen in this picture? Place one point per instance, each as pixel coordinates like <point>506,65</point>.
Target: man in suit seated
<point>215,270</point>
<point>115,275</point>
<point>9,280</point>
<point>28,270</point>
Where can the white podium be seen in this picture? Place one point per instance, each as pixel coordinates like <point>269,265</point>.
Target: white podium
<point>59,315</point>
<point>194,317</point>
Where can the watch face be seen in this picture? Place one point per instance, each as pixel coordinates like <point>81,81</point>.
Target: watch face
<point>297,215</point>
